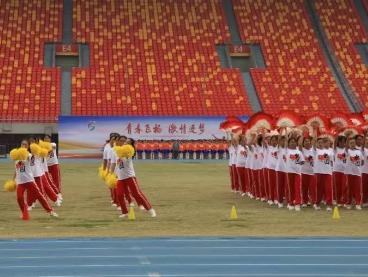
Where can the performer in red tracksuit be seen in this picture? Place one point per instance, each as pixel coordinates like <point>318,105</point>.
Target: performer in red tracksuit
<point>339,178</point>
<point>323,171</point>
<point>308,179</point>
<point>127,182</point>
<point>53,164</point>
<point>25,182</point>
<point>294,163</point>
<point>353,172</point>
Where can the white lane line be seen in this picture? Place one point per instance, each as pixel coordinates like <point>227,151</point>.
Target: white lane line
<point>187,240</point>
<point>181,255</point>
<point>154,274</point>
<point>217,275</point>
<point>144,260</point>
<point>186,247</point>
<point>178,264</point>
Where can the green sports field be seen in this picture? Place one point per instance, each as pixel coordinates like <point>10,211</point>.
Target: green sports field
<point>190,199</point>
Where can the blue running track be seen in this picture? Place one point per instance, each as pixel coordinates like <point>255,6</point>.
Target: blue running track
<point>185,257</point>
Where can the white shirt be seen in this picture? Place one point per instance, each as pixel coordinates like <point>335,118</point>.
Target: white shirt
<point>339,160</point>
<point>233,153</point>
<point>44,165</point>
<point>281,160</point>
<point>107,149</point>
<point>23,172</point>
<point>124,168</point>
<point>241,156</point>
<point>52,158</point>
<point>354,162</point>
<point>307,167</point>
<point>294,161</point>
<point>36,166</point>
<point>365,165</point>
<point>272,157</point>
<point>257,157</point>
<point>323,161</point>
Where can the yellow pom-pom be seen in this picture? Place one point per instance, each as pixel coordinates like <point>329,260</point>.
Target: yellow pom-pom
<point>10,185</point>
<point>111,180</point>
<point>23,154</point>
<point>35,149</point>
<point>44,152</point>
<point>14,154</point>
<point>100,172</point>
<point>45,144</point>
<point>125,151</point>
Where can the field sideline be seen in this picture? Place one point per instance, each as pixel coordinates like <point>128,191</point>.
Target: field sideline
<point>191,199</point>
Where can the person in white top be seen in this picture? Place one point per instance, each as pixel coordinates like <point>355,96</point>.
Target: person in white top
<point>25,182</point>
<point>281,171</point>
<point>53,164</point>
<point>294,163</point>
<point>241,157</point>
<point>353,172</point>
<point>365,174</point>
<point>308,179</point>
<point>339,163</point>
<point>256,150</point>
<point>264,174</point>
<point>233,151</point>
<point>38,170</point>
<point>323,171</point>
<point>127,182</point>
<point>272,158</point>
<point>106,156</point>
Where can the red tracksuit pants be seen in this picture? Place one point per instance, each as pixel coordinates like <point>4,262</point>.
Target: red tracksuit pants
<point>56,177</point>
<point>365,188</point>
<point>354,189</point>
<point>324,189</point>
<point>242,178</point>
<point>235,182</point>
<point>294,182</point>
<point>339,182</point>
<point>130,185</point>
<point>51,182</point>
<point>280,183</point>
<point>308,189</point>
<point>272,184</point>
<point>47,187</point>
<point>31,189</point>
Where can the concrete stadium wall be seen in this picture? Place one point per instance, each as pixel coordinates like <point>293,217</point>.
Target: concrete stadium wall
<point>28,128</point>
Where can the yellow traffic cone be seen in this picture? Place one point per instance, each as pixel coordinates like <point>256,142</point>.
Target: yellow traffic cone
<point>131,214</point>
<point>233,213</point>
<point>336,214</point>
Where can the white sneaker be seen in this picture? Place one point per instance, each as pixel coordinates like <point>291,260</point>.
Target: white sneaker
<point>348,207</point>
<point>53,214</point>
<point>60,196</point>
<point>118,208</point>
<point>263,199</point>
<point>33,205</point>
<point>29,208</point>
<point>291,208</point>
<point>316,207</point>
<point>114,205</point>
<point>123,215</point>
<point>276,202</point>
<point>141,207</point>
<point>297,208</point>
<point>58,203</point>
<point>152,212</point>
<point>358,207</point>
<point>251,196</point>
<point>270,202</point>
<point>329,209</point>
<point>304,205</point>
<point>243,194</point>
<point>131,204</point>
<point>280,205</point>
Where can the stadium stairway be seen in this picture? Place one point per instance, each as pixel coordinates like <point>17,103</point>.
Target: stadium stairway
<point>236,40</point>
<point>341,81</point>
<point>66,75</point>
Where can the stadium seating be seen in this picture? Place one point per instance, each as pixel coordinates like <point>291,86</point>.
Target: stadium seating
<point>154,58</point>
<point>28,92</point>
<point>297,76</point>
<point>344,29</point>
